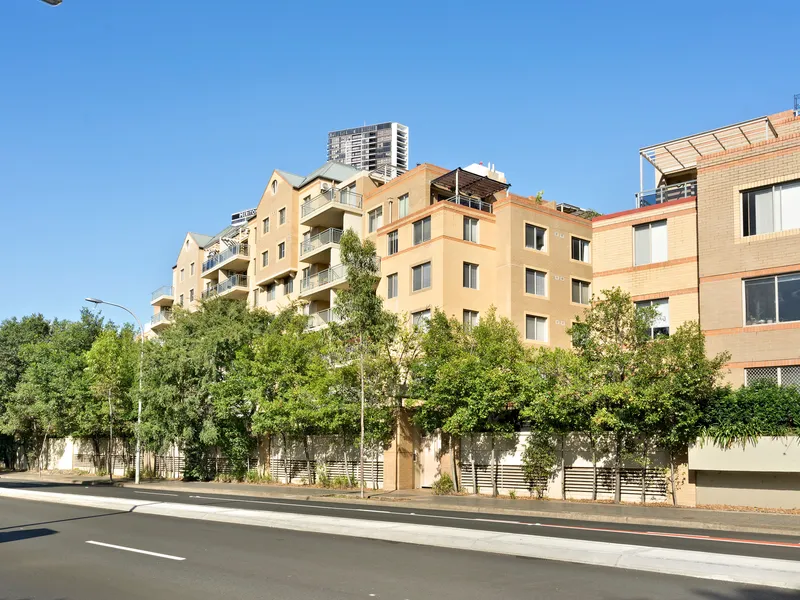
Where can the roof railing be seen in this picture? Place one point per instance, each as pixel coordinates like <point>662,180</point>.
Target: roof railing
<point>164,290</point>
<point>471,203</point>
<point>666,193</point>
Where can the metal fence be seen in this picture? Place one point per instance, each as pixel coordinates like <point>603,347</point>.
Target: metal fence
<point>579,481</point>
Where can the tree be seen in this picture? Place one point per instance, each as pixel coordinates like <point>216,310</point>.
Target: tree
<point>112,366</point>
<point>365,325</point>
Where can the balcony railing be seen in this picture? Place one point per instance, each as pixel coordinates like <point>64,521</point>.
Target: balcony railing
<point>164,290</point>
<point>164,316</point>
<point>329,236</point>
<point>322,318</point>
<point>333,195</point>
<point>471,203</point>
<point>237,280</point>
<point>235,250</point>
<point>667,193</point>
<point>322,278</point>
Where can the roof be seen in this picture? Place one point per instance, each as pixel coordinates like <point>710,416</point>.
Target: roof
<point>470,183</point>
<point>295,180</point>
<point>201,239</point>
<point>682,153</point>
<point>331,170</point>
<point>229,231</point>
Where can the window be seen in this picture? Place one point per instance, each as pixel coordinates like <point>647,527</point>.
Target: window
<point>788,376</point>
<point>186,246</point>
<point>265,225</point>
<point>580,250</point>
<point>270,291</point>
<point>281,250</point>
<point>535,282</point>
<point>375,219</point>
<point>772,299</point>
<point>282,216</point>
<point>180,299</point>
<point>470,319</point>
<point>660,326</point>
<point>191,295</point>
<point>255,297</point>
<point>470,276</point>
<point>422,230</point>
<point>471,229</point>
<point>265,258</point>
<point>288,286</point>
<point>773,208</point>
<point>393,243</point>
<point>274,186</point>
<point>402,208</point>
<point>650,243</point>
<point>535,237</point>
<point>391,286</point>
<point>421,277</point>
<point>581,293</point>
<point>536,328</point>
<point>421,318</point>
<point>183,275</point>
<point>191,269</point>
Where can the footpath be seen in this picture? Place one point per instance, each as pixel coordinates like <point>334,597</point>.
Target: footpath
<point>657,516</point>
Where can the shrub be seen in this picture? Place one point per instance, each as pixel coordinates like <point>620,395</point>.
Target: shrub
<point>512,494</point>
<point>443,486</point>
<point>323,479</point>
<point>342,482</point>
<point>538,462</point>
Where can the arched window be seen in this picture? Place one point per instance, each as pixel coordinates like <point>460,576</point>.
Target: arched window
<point>274,186</point>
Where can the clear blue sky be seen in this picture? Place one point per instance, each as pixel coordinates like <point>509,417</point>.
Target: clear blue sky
<point>125,123</point>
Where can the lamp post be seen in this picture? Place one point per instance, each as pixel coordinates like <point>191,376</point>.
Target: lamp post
<point>141,362</point>
<point>52,2</point>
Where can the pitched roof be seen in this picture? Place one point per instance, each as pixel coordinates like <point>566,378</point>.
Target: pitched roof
<point>295,180</point>
<point>200,239</point>
<point>229,231</point>
<point>331,170</point>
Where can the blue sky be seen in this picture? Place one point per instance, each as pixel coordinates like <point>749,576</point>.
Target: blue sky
<point>123,124</point>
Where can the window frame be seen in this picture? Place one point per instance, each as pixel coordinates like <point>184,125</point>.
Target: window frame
<point>281,216</point>
<point>422,266</point>
<point>191,295</point>
<point>265,259</point>
<point>778,374</point>
<point>392,242</point>
<point>776,297</point>
<point>418,316</point>
<point>470,271</point>
<point>546,320</point>
<point>421,222</point>
<point>281,250</point>
<point>392,278</point>
<point>183,275</point>
<point>588,252</point>
<point>649,226</point>
<point>545,241</point>
<point>402,201</point>
<point>375,219</point>
<point>572,281</point>
<point>469,325</point>
<point>265,225</point>
<point>525,282</point>
<point>469,221</point>
<point>653,327</point>
<point>748,210</point>
<point>191,270</point>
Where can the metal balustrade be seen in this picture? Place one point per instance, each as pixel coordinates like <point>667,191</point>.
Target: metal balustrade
<point>235,250</point>
<point>329,236</point>
<point>332,195</point>
<point>666,193</point>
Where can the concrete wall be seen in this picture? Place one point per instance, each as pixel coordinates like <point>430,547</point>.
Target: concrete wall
<point>763,490</point>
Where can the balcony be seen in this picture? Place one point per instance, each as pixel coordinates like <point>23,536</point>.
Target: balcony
<point>666,193</point>
<point>234,258</point>
<point>321,319</point>
<point>234,286</point>
<point>317,248</point>
<point>319,283</point>
<point>327,209</point>
<point>160,320</point>
<point>471,203</point>
<point>163,296</point>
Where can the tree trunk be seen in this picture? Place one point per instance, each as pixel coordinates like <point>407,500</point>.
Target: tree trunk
<point>308,460</point>
<point>361,444</point>
<point>453,461</point>
<point>594,467</point>
<point>97,453</point>
<point>618,470</point>
<point>644,471</point>
<point>41,453</point>
<point>563,468</point>
<point>346,465</point>
<point>494,471</point>
<point>672,479</point>
<point>472,460</point>
<point>285,460</point>
<point>110,440</point>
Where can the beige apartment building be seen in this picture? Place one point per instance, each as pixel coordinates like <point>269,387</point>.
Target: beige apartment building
<point>718,240</point>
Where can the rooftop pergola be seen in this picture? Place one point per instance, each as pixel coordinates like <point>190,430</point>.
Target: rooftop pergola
<point>464,182</point>
<point>682,154</point>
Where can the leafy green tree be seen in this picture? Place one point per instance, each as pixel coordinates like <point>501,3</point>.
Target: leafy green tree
<point>538,461</point>
<point>112,367</point>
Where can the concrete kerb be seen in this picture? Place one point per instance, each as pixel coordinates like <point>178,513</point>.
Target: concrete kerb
<point>409,502</point>
<point>723,567</point>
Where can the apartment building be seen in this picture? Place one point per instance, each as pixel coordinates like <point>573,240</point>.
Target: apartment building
<point>718,240</point>
<point>382,147</point>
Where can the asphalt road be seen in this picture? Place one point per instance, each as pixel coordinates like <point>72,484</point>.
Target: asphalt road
<point>45,554</point>
<point>743,544</point>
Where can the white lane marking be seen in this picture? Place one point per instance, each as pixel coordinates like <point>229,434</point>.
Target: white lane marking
<point>156,494</point>
<point>700,538</point>
<point>157,554</point>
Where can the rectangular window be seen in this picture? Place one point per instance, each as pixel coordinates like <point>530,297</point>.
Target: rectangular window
<point>191,269</point>
<point>421,318</point>
<point>265,258</point>
<point>265,225</point>
<point>788,376</point>
<point>402,207</point>
<point>391,286</point>
<point>183,275</point>
<point>375,219</point>
<point>282,216</point>
<point>180,300</point>
<point>288,286</point>
<point>535,282</point>
<point>470,319</point>
<point>470,229</point>
<point>255,297</point>
<point>660,326</point>
<point>535,237</point>
<point>580,250</point>
<point>536,328</point>
<point>772,299</point>
<point>281,250</point>
<point>581,293</point>
<point>393,243</point>
<point>270,291</point>
<point>470,276</point>
<point>421,277</point>
<point>191,295</point>
<point>650,243</point>
<point>422,230</point>
<point>773,208</point>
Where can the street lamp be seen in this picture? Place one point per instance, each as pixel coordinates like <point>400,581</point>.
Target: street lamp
<point>141,362</point>
<point>52,2</point>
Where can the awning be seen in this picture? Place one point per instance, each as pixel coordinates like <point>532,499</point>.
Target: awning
<point>682,154</point>
<point>470,184</point>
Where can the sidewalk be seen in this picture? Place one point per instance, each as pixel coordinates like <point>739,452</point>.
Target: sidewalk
<point>686,518</point>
